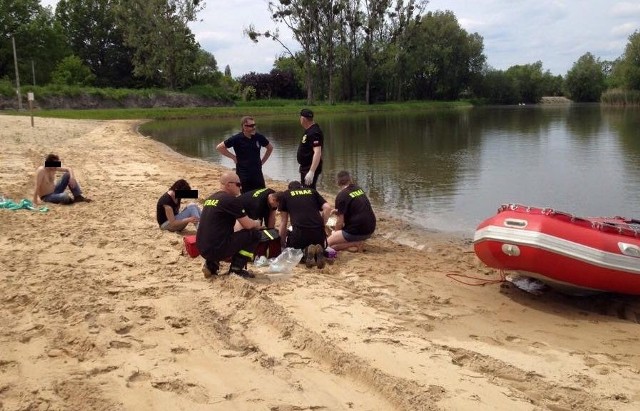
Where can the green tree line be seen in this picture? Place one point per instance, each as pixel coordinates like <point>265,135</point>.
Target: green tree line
<point>348,50</point>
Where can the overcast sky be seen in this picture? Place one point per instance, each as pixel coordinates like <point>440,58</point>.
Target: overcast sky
<point>556,32</point>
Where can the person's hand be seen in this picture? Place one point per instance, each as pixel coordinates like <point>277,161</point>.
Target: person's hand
<point>308,179</point>
<point>72,182</point>
<point>193,220</point>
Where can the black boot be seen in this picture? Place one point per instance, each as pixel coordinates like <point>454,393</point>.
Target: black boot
<point>238,264</point>
<point>210,268</point>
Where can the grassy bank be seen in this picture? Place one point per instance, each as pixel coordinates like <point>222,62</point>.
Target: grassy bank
<point>257,108</point>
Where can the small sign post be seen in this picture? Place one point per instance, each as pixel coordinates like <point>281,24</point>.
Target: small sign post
<point>30,98</point>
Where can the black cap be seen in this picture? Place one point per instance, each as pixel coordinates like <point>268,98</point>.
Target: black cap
<point>305,112</point>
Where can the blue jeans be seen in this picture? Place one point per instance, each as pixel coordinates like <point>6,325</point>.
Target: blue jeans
<point>191,210</point>
<point>59,196</point>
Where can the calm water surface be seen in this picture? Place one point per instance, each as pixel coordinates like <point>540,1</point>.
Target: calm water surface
<point>449,170</point>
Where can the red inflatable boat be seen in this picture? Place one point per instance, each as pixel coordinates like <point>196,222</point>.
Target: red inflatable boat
<point>575,254</point>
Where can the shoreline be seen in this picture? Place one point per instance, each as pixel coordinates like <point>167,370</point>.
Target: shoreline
<point>103,311</point>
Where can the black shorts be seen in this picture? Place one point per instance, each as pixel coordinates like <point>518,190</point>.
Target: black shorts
<point>300,238</point>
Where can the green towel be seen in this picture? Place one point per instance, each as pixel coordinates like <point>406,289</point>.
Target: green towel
<point>23,204</point>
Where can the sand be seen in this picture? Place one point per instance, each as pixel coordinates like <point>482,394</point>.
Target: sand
<point>102,311</point>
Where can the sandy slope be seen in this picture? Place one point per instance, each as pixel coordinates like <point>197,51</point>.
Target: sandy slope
<point>102,311</point>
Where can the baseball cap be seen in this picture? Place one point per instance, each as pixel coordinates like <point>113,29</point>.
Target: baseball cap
<point>305,112</point>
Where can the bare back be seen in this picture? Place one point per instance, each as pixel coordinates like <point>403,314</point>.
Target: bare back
<point>45,181</point>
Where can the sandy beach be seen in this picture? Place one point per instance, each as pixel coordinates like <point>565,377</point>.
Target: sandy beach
<point>102,311</point>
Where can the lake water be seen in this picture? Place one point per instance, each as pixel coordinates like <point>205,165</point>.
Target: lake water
<point>449,170</point>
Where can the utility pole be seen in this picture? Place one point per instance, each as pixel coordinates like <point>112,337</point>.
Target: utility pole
<point>15,61</point>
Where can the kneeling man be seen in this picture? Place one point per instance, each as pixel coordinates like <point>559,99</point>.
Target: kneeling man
<point>356,220</point>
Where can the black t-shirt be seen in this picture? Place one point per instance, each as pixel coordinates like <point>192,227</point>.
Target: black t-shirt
<point>256,203</point>
<point>304,206</point>
<point>312,137</point>
<point>353,204</point>
<point>247,151</point>
<point>161,214</point>
<point>219,214</point>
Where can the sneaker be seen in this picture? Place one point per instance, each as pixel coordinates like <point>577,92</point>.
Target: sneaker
<point>208,273</point>
<point>243,273</point>
<point>81,199</point>
<point>320,260</point>
<point>309,256</point>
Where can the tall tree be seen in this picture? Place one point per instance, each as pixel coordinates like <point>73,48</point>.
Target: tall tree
<point>164,48</point>
<point>527,80</point>
<point>328,12</point>
<point>348,47</point>
<point>374,19</point>
<point>629,65</point>
<point>399,22</point>
<point>585,80</point>
<point>301,17</point>
<point>442,58</point>
<point>39,40</point>
<point>97,38</point>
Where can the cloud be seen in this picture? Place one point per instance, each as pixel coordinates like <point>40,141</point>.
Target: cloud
<point>625,10</point>
<point>556,32</point>
<point>624,30</point>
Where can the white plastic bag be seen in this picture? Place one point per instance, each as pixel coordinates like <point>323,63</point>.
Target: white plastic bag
<point>288,258</point>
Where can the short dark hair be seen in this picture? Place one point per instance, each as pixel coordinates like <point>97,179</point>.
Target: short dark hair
<point>294,185</point>
<point>343,178</point>
<point>52,157</point>
<point>180,185</point>
<point>305,112</point>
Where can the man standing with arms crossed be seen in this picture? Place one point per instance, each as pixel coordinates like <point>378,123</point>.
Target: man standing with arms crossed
<point>247,145</point>
<point>310,150</point>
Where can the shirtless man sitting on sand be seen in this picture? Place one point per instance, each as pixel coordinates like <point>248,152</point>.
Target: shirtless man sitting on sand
<point>54,192</point>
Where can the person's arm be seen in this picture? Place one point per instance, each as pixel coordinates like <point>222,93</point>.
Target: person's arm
<point>222,149</point>
<point>284,222</point>
<point>317,155</point>
<point>267,153</point>
<point>271,220</point>
<point>39,178</point>
<point>339,222</point>
<point>249,224</point>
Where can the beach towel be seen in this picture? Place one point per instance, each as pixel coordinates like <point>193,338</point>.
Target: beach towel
<point>24,204</point>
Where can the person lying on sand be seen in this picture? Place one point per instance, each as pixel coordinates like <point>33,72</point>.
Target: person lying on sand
<point>48,190</point>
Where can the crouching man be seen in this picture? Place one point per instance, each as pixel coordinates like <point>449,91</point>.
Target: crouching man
<point>215,237</point>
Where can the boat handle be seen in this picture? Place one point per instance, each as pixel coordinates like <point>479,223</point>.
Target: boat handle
<point>629,249</point>
<point>512,222</point>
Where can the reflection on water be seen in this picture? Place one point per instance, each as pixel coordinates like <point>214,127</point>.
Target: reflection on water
<point>449,170</point>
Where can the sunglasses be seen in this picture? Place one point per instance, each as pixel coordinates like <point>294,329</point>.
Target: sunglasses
<point>237,183</point>
<point>250,125</point>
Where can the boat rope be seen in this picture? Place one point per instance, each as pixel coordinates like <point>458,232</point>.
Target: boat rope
<point>478,280</point>
<point>614,225</point>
